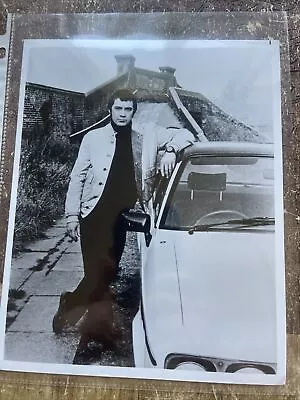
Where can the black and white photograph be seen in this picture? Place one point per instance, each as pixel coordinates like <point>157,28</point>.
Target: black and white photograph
<point>145,235</point>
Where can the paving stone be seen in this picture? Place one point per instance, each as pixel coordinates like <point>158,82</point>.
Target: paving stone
<point>43,244</point>
<point>12,314</point>
<point>69,262</point>
<point>18,276</point>
<point>61,223</point>
<point>54,283</point>
<point>73,247</point>
<point>62,247</point>
<point>27,260</point>
<point>56,231</point>
<point>40,347</point>
<point>54,258</point>
<point>37,315</point>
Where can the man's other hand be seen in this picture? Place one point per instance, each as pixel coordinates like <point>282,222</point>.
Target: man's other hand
<point>73,230</point>
<point>167,164</point>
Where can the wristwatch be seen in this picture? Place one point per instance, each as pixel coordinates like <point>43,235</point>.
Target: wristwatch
<point>170,149</point>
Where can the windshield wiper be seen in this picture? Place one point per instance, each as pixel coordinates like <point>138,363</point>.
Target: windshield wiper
<point>245,222</point>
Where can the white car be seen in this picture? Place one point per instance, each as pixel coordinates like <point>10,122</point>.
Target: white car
<point>208,276</point>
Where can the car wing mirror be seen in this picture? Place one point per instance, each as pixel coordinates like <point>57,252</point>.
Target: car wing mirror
<point>136,221</point>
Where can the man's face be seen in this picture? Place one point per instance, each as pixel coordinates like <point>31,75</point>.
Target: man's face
<point>122,112</point>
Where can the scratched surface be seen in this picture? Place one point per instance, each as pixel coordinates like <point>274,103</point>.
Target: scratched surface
<point>37,386</point>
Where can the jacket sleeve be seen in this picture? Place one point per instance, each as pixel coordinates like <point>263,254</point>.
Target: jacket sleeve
<point>178,138</point>
<point>77,181</point>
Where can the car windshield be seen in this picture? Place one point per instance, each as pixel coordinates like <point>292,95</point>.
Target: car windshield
<point>213,193</point>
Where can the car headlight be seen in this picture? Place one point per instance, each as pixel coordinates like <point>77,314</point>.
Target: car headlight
<point>210,364</point>
<point>190,366</point>
<point>249,370</point>
<point>183,361</point>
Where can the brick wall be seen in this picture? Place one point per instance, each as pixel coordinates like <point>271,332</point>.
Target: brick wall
<point>59,111</point>
<point>47,157</point>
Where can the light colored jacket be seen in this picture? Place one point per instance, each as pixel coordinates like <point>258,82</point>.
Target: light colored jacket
<point>95,155</point>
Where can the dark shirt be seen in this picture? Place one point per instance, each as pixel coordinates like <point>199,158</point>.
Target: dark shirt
<point>120,190</point>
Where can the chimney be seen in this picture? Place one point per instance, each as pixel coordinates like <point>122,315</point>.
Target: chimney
<point>125,63</point>
<point>167,70</point>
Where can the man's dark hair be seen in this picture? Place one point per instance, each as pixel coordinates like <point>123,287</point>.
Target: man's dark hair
<point>123,95</point>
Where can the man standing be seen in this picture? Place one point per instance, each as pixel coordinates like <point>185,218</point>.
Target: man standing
<point>114,168</point>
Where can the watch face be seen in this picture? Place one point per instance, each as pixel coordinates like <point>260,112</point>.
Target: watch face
<point>169,149</point>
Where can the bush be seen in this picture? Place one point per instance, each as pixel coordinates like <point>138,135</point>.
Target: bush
<point>45,166</point>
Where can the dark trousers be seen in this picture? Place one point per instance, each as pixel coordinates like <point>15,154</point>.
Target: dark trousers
<point>102,246</point>
<point>103,237</point>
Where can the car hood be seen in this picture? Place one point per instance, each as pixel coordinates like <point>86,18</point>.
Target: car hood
<point>211,294</point>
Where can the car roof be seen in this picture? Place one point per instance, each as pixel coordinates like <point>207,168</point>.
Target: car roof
<point>230,149</point>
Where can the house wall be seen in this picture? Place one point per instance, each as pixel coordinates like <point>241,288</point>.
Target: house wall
<point>149,86</point>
